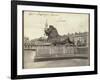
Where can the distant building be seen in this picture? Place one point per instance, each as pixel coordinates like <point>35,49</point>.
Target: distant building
<point>26,39</point>
<point>80,39</point>
<point>26,42</point>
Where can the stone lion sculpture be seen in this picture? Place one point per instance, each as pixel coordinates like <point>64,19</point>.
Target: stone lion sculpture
<point>55,38</point>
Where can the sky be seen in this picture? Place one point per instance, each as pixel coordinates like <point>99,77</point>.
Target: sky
<point>34,23</point>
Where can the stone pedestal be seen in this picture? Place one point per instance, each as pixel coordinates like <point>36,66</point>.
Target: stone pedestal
<point>54,52</point>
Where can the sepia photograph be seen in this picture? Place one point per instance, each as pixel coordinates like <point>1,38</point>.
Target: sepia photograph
<point>55,39</point>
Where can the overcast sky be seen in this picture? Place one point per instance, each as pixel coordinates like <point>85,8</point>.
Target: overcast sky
<point>34,23</point>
